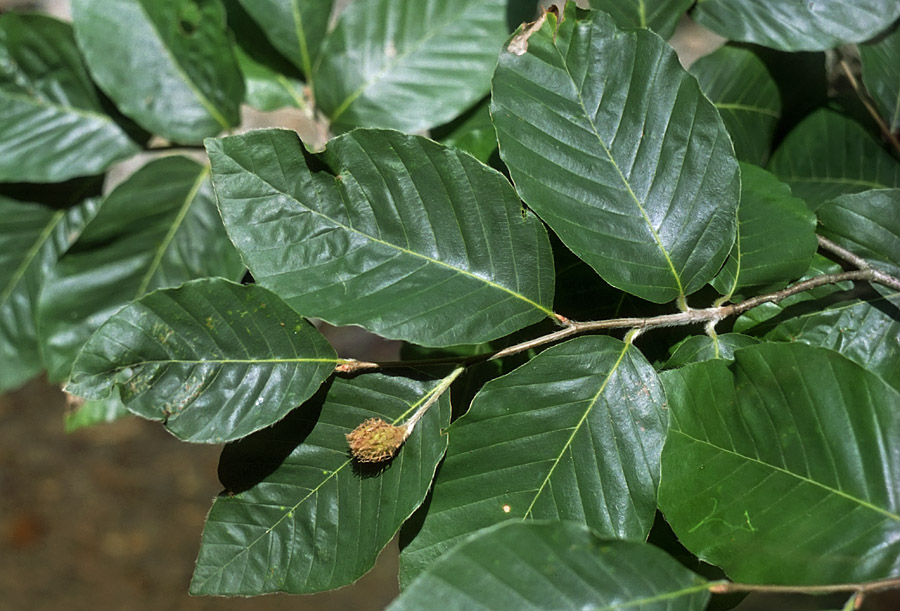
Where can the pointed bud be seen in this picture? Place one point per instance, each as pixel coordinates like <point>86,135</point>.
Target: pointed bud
<point>375,440</point>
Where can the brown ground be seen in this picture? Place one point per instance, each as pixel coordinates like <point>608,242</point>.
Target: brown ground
<point>110,518</point>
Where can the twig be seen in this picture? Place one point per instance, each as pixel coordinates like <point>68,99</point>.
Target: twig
<point>879,276</point>
<point>864,98</point>
<point>435,395</point>
<point>706,316</point>
<point>728,587</point>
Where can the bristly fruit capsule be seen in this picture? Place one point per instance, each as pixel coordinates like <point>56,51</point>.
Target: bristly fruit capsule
<point>375,440</point>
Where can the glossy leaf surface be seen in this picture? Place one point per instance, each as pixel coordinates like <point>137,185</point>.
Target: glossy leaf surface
<point>661,16</point>
<point>301,516</point>
<point>553,566</point>
<point>32,237</point>
<point>828,155</point>
<point>698,348</point>
<point>398,234</point>
<point>797,26</point>
<point>574,434</point>
<point>409,64</point>
<point>296,28</point>
<point>782,468</point>
<point>213,360</point>
<point>865,331</point>
<point>52,123</point>
<point>776,237</point>
<point>867,224</point>
<point>611,142</point>
<point>881,75</point>
<point>157,229</point>
<point>746,96</point>
<point>167,64</point>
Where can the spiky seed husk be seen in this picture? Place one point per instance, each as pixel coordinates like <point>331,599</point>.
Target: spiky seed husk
<point>375,440</point>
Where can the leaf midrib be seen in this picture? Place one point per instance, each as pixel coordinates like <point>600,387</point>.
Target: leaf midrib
<point>66,110</point>
<point>201,97</point>
<point>393,63</point>
<point>747,108</point>
<point>622,177</point>
<point>39,242</point>
<point>700,587</point>
<point>827,488</point>
<point>170,235</point>
<point>575,430</point>
<point>544,310</point>
<point>192,362</point>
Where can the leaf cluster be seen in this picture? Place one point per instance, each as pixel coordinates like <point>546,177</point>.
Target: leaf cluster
<point>506,200</point>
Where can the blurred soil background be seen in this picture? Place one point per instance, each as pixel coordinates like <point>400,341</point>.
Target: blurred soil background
<point>111,517</point>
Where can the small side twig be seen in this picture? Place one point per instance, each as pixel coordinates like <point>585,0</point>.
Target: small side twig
<point>855,260</point>
<point>864,98</point>
<point>728,587</point>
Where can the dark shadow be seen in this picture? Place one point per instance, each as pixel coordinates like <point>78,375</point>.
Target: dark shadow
<point>57,194</point>
<point>365,470</point>
<point>247,462</point>
<point>413,525</point>
<point>253,41</point>
<point>802,83</point>
<point>442,131</point>
<point>519,12</point>
<point>813,306</point>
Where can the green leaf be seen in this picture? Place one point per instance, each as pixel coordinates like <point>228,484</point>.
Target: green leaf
<point>395,233</point>
<point>268,89</point>
<point>213,360</point>
<point>867,224</point>
<point>409,64</point>
<point>557,566</point>
<point>52,122</point>
<point>782,468</point>
<point>574,434</point>
<point>746,95</point>
<point>866,332</point>
<point>828,155</point>
<point>797,26</point>
<point>699,348</point>
<point>881,75</point>
<point>297,28</point>
<point>661,16</point>
<point>159,228</point>
<point>271,81</point>
<point>32,237</point>
<point>776,237</point>
<point>299,515</point>
<point>611,142</point>
<point>764,316</point>
<point>167,64</point>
